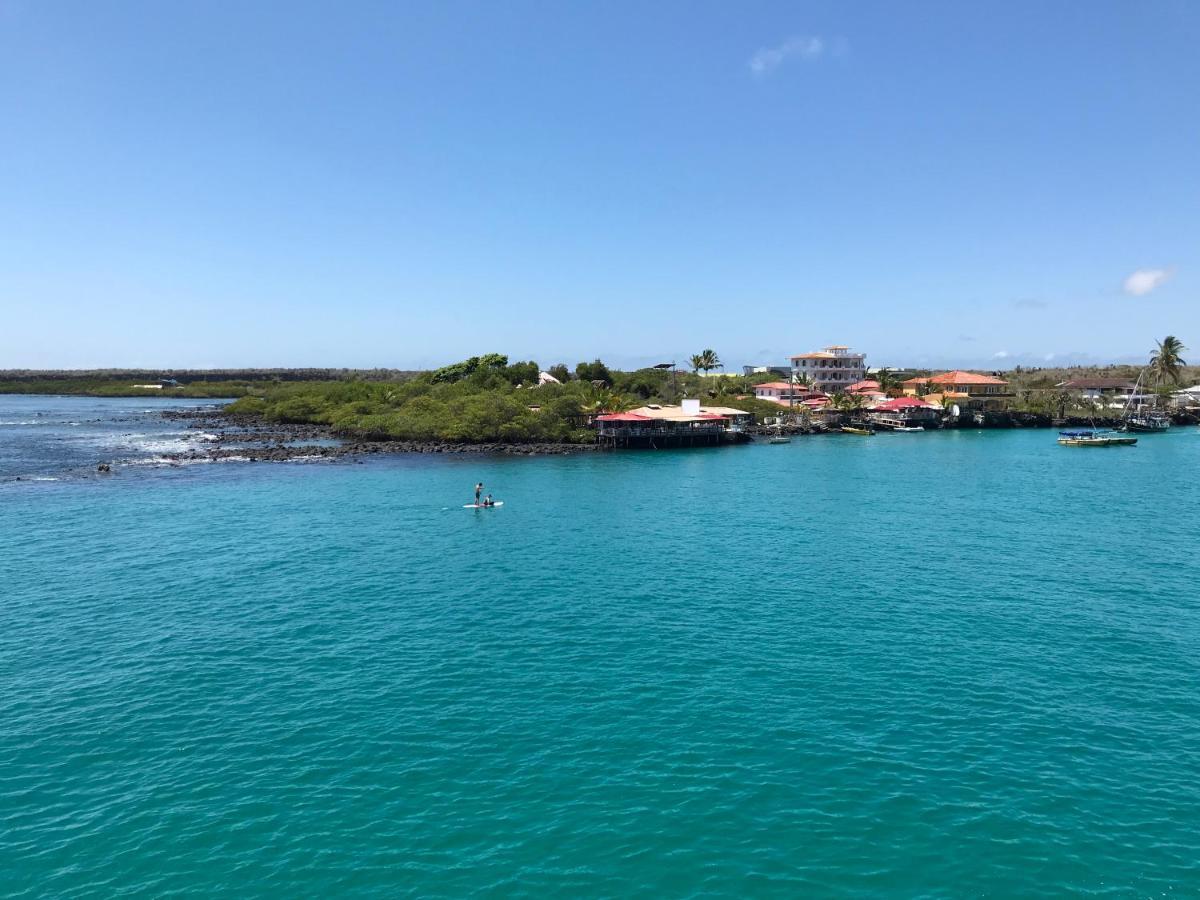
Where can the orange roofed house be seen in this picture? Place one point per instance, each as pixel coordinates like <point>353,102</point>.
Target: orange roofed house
<point>967,390</point>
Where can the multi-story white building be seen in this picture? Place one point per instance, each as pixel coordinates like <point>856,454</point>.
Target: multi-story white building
<point>831,370</point>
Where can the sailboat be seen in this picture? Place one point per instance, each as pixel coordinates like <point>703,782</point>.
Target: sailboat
<point>1140,417</point>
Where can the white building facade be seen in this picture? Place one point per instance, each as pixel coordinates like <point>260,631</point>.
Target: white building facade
<point>831,370</point>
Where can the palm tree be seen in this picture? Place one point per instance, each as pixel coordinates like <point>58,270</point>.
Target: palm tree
<point>888,382</point>
<point>606,401</point>
<point>843,402</point>
<point>798,380</point>
<point>707,361</point>
<point>1165,363</point>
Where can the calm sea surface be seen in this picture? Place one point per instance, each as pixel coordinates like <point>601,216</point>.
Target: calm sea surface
<point>949,664</point>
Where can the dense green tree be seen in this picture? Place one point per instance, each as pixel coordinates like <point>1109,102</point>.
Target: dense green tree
<point>594,371</point>
<point>644,383</point>
<point>456,371</point>
<point>525,373</point>
<point>493,361</point>
<point>561,372</point>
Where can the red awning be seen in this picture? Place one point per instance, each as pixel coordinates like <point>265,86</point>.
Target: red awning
<point>903,403</point>
<point>624,417</point>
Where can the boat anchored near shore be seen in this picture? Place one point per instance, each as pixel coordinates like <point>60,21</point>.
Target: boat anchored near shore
<point>1095,439</point>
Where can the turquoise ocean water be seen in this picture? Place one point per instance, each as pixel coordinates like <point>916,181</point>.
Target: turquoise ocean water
<point>964,663</point>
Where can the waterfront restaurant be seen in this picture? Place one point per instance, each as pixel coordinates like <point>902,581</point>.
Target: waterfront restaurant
<point>689,425</point>
<point>909,412</point>
<point>967,390</point>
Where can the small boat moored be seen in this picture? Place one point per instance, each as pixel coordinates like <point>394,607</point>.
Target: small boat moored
<point>849,429</point>
<point>1095,439</point>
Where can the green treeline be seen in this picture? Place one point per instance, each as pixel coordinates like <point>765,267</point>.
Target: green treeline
<point>484,399</point>
<point>120,387</point>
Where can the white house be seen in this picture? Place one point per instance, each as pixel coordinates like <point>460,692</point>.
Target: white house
<point>1100,389</point>
<point>1188,396</point>
<point>831,370</point>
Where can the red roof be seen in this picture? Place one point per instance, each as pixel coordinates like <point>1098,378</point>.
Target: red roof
<point>623,417</point>
<point>902,403</point>
<point>960,377</point>
<point>712,416</point>
<point>867,385</point>
<point>781,386</point>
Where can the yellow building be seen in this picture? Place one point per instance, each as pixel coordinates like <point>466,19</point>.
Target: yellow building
<point>967,390</point>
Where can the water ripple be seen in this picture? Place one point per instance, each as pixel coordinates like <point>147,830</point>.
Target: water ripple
<point>816,671</point>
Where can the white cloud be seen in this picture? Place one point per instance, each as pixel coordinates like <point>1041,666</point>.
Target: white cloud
<point>767,59</point>
<point>1143,281</point>
<point>1000,354</point>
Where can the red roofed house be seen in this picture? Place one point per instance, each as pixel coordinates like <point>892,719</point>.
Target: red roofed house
<point>868,389</point>
<point>1117,389</point>
<point>967,390</point>
<point>782,393</point>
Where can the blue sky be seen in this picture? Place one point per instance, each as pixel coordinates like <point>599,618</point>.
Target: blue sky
<point>388,184</point>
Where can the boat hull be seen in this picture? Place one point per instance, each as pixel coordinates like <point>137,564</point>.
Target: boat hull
<point>1098,442</point>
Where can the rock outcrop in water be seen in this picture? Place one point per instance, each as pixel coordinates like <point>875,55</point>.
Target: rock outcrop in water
<point>255,440</point>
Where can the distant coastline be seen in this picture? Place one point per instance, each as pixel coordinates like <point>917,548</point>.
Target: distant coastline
<point>489,404</point>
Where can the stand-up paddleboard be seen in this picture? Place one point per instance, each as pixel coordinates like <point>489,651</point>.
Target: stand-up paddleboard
<point>481,506</point>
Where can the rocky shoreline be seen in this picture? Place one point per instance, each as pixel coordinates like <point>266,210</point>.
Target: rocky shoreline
<point>253,439</point>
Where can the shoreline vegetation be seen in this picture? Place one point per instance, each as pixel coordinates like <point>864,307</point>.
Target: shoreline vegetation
<point>489,403</point>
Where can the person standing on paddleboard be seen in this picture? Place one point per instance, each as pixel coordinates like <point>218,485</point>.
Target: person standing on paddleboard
<point>478,491</point>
